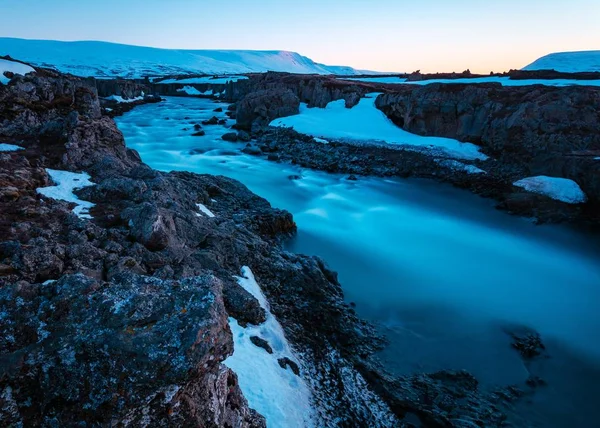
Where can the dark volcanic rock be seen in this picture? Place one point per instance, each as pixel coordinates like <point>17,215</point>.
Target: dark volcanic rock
<point>119,352</point>
<point>286,362</point>
<point>258,109</point>
<point>543,130</point>
<point>230,136</point>
<point>262,343</point>
<point>212,121</point>
<point>200,133</point>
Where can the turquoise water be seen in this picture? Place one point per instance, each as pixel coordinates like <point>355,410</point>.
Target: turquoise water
<point>438,269</point>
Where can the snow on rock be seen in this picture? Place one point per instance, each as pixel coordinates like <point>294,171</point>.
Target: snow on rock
<point>207,79</point>
<point>120,99</point>
<point>103,59</point>
<point>190,90</point>
<point>459,166</point>
<point>320,140</point>
<point>364,122</point>
<point>66,183</point>
<point>504,81</point>
<point>281,396</point>
<point>12,67</point>
<point>568,62</point>
<point>9,147</point>
<point>205,210</point>
<point>561,189</point>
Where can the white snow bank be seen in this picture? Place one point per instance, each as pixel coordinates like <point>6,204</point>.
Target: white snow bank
<point>9,147</point>
<point>120,99</point>
<point>561,189</point>
<point>504,81</point>
<point>207,79</point>
<point>459,166</point>
<point>190,90</point>
<point>205,210</point>
<point>13,67</point>
<point>568,62</point>
<point>364,122</point>
<point>278,394</point>
<point>66,183</point>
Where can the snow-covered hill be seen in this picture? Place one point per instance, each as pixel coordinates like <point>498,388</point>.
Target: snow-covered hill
<point>103,59</point>
<point>568,62</point>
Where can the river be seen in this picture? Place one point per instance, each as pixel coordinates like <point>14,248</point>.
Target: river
<point>438,269</point>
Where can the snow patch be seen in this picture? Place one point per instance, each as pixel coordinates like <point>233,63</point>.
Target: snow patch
<point>561,189</point>
<point>320,140</point>
<point>190,90</point>
<point>120,99</point>
<point>459,166</point>
<point>9,147</point>
<point>205,210</point>
<point>66,183</point>
<point>364,122</point>
<point>12,67</point>
<point>278,394</point>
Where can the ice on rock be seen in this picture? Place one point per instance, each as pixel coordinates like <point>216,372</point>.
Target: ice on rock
<point>561,189</point>
<point>281,396</point>
<point>66,183</point>
<point>205,210</point>
<point>9,147</point>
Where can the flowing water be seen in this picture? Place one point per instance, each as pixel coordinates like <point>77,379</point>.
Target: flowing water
<point>439,270</point>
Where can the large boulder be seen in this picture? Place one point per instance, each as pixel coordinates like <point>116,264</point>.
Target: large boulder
<point>136,349</point>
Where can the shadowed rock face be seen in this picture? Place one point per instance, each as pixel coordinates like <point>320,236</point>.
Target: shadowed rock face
<point>546,130</point>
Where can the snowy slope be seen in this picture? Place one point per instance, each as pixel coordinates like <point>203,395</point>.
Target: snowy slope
<point>103,59</point>
<point>568,62</point>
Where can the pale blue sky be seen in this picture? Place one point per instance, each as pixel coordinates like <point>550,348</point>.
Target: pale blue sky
<point>392,35</point>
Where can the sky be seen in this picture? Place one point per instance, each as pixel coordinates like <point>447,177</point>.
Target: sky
<point>382,35</point>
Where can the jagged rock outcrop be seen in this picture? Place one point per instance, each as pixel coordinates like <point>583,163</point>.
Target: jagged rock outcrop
<point>275,95</point>
<point>257,109</point>
<point>545,130</point>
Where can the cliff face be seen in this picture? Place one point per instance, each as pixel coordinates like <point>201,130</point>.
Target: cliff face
<point>274,95</point>
<point>546,130</point>
<point>96,326</point>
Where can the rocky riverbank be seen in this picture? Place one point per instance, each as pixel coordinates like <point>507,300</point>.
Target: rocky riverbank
<point>525,131</point>
<point>120,316</point>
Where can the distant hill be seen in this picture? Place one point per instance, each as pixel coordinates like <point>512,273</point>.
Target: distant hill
<point>568,62</point>
<point>103,59</point>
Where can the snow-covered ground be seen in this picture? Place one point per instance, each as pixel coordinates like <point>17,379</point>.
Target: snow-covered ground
<point>103,59</point>
<point>561,189</point>
<point>281,396</point>
<point>364,122</point>
<point>504,81</point>
<point>13,67</point>
<point>206,79</point>
<point>66,183</point>
<point>568,62</point>
<point>9,147</point>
